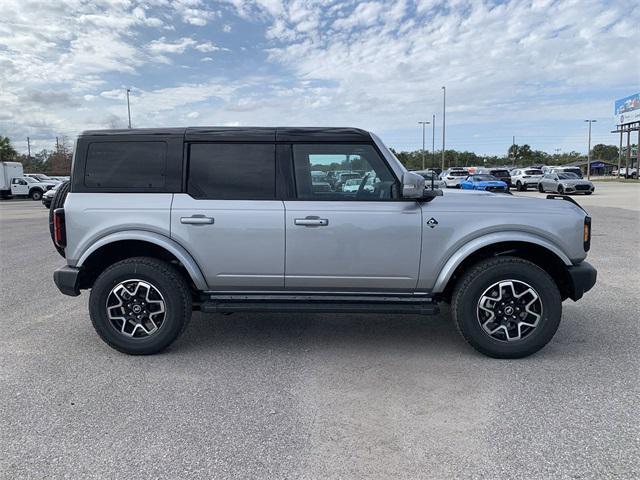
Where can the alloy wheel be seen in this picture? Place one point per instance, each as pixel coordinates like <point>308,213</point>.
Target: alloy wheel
<point>509,310</point>
<point>136,308</point>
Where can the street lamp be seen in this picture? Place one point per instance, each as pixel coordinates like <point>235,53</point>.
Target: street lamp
<point>444,108</point>
<point>423,152</point>
<point>128,107</point>
<point>433,141</point>
<point>589,150</point>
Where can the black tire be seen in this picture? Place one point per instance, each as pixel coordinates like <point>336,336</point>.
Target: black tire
<point>540,188</point>
<point>36,194</point>
<point>470,288</point>
<point>167,280</point>
<point>58,202</point>
<point>519,187</point>
<point>588,193</point>
<point>560,190</point>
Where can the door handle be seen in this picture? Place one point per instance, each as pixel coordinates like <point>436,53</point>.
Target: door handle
<point>197,220</point>
<point>311,222</point>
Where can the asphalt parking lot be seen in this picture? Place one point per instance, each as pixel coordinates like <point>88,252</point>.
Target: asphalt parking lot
<point>319,396</point>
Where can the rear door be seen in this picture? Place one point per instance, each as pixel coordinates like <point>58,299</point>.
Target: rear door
<point>229,218</point>
<point>367,240</point>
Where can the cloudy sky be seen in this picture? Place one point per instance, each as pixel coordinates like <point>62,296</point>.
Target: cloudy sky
<point>533,69</point>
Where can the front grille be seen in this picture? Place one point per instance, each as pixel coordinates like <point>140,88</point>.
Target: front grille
<point>583,187</point>
<point>495,189</point>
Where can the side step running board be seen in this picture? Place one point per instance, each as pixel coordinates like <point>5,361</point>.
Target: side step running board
<point>318,304</point>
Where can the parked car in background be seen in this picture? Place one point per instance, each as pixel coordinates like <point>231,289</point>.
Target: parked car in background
<point>47,196</point>
<point>523,178</point>
<point>30,187</point>
<point>485,182</point>
<point>431,177</point>
<point>41,177</point>
<point>343,177</point>
<point>502,174</point>
<point>453,176</point>
<point>565,182</point>
<point>566,169</point>
<point>633,172</point>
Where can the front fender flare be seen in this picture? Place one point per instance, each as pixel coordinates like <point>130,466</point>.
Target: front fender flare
<point>493,238</point>
<point>165,242</point>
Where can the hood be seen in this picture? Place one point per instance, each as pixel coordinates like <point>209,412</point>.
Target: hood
<point>492,183</point>
<point>577,181</point>
<point>481,201</point>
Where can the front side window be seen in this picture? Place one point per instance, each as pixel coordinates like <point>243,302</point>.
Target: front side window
<point>231,171</point>
<point>353,172</point>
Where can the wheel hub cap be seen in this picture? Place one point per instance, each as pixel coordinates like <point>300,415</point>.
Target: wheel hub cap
<point>136,308</point>
<point>509,310</point>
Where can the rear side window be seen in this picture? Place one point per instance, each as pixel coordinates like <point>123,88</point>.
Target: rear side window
<point>228,171</point>
<point>533,172</point>
<point>124,165</point>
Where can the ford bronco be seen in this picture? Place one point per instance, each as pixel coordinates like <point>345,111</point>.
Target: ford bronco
<point>157,223</point>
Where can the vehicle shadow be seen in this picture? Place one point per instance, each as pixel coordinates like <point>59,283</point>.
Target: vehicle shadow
<point>306,331</point>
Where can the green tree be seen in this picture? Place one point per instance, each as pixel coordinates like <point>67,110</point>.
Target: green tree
<point>604,152</point>
<point>7,152</point>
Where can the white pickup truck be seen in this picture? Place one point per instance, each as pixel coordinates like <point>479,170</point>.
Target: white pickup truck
<point>13,182</point>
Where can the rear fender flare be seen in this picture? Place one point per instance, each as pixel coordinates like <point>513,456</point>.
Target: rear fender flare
<point>160,240</point>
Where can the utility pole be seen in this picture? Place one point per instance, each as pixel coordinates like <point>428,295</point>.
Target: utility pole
<point>589,150</point>
<point>424,124</point>
<point>128,107</point>
<point>513,149</point>
<point>57,146</point>
<point>28,148</point>
<point>444,108</point>
<point>433,141</point>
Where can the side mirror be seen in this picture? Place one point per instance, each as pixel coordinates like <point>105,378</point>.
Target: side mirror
<point>413,186</point>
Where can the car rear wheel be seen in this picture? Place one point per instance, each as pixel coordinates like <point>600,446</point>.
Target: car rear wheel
<point>540,188</point>
<point>140,305</point>
<point>506,307</point>
<point>519,186</point>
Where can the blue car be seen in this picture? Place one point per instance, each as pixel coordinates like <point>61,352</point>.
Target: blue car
<point>484,182</point>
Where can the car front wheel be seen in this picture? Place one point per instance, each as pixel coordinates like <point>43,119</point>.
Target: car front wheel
<point>506,307</point>
<point>36,195</point>
<point>140,305</point>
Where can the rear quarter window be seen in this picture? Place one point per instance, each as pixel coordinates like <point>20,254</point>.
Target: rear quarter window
<point>126,165</point>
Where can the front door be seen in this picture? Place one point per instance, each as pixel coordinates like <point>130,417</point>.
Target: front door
<point>355,235</point>
<point>229,218</point>
<point>19,186</point>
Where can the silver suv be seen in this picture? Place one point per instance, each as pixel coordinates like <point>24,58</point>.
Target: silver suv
<point>159,222</point>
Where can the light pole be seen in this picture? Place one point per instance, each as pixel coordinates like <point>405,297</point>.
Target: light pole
<point>128,107</point>
<point>433,141</point>
<point>424,124</point>
<point>444,109</point>
<point>589,150</point>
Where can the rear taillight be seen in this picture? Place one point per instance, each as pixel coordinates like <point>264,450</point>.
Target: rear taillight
<point>59,230</point>
<point>586,236</point>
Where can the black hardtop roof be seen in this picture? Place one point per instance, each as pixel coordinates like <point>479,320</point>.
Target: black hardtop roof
<point>244,134</point>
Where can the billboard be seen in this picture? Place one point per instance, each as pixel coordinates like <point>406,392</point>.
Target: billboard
<point>627,109</point>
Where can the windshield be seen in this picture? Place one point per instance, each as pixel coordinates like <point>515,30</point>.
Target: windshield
<point>352,182</point>
<point>458,173</point>
<point>567,176</point>
<point>483,178</point>
<point>31,180</point>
